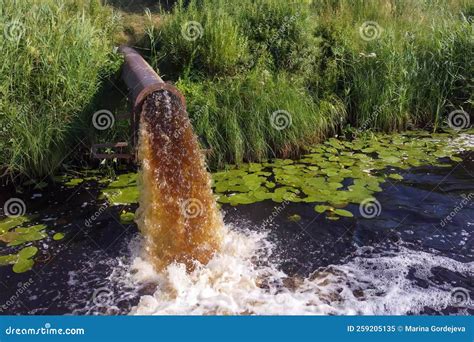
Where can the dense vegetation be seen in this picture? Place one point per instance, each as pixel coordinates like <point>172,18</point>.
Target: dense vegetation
<point>262,78</point>
<point>54,55</point>
<point>386,65</point>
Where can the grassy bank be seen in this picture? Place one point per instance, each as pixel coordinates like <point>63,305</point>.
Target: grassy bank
<point>326,64</point>
<point>54,55</point>
<point>262,78</point>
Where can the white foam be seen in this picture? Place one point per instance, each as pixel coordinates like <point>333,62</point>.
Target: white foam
<point>240,280</point>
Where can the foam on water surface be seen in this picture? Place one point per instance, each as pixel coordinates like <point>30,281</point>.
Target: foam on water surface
<point>196,266</point>
<point>240,280</point>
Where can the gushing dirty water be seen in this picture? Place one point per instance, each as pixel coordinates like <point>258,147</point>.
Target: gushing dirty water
<point>177,214</point>
<point>242,280</point>
<point>196,265</point>
<point>415,257</point>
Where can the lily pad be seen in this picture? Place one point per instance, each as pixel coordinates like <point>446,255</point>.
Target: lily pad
<point>58,236</point>
<point>294,218</point>
<point>28,252</point>
<point>73,182</point>
<point>127,217</point>
<point>395,176</point>
<point>322,208</point>
<point>342,212</point>
<point>23,265</point>
<point>8,223</point>
<point>8,259</point>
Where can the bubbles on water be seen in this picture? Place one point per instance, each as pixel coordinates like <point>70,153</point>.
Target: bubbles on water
<point>103,296</point>
<point>240,280</point>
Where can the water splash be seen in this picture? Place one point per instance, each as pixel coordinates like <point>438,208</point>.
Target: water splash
<point>240,280</point>
<point>195,265</point>
<point>178,214</point>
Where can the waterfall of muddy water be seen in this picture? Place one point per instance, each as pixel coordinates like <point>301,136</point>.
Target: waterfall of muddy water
<point>178,215</point>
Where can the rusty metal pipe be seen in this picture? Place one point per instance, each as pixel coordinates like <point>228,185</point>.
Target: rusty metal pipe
<point>142,80</point>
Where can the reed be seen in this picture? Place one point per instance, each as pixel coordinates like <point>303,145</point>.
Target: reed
<point>54,56</point>
<point>315,60</point>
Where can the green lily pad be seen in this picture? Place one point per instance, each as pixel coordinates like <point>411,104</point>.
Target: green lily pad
<point>127,217</point>
<point>8,223</point>
<point>395,176</point>
<point>73,182</point>
<point>28,252</point>
<point>123,190</point>
<point>455,159</point>
<point>342,212</point>
<point>58,236</point>
<point>8,259</point>
<point>321,175</point>
<point>294,218</point>
<point>27,237</point>
<point>322,208</point>
<point>23,265</point>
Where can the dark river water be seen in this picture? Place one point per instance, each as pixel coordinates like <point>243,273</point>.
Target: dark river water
<point>410,259</point>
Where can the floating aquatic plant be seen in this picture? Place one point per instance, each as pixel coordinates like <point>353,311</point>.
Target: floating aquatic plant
<point>14,232</point>
<point>123,190</point>
<point>337,172</point>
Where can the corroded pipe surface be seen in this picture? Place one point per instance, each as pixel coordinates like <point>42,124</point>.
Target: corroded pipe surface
<point>142,80</point>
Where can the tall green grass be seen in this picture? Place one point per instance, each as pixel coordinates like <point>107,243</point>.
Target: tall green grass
<point>248,63</point>
<point>417,70</point>
<point>311,59</point>
<point>54,54</point>
<point>257,116</point>
<point>237,64</point>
